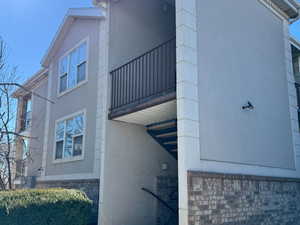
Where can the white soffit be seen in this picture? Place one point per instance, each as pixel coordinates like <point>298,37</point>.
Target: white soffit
<point>155,114</point>
<point>289,7</point>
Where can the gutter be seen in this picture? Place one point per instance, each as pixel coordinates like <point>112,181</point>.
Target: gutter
<point>288,9</point>
<point>295,6</point>
<point>295,42</point>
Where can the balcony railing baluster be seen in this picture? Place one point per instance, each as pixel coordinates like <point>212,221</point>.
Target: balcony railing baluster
<point>151,74</point>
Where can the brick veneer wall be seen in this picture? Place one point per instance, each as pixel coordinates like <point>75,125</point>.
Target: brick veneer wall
<point>90,187</point>
<point>167,190</point>
<point>220,199</point>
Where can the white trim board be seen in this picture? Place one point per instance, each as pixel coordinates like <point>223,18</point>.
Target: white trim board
<point>295,42</point>
<point>79,176</point>
<point>47,123</point>
<point>103,97</point>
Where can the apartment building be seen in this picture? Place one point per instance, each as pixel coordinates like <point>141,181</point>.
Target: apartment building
<point>170,112</point>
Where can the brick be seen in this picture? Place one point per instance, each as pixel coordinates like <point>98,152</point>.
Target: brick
<point>236,200</point>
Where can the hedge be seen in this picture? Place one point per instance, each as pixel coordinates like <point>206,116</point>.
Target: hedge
<point>44,207</point>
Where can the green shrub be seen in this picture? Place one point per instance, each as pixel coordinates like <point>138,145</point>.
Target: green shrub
<point>44,207</point>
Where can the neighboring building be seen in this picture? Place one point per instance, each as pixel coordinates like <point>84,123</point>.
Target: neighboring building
<point>194,101</point>
<point>30,123</point>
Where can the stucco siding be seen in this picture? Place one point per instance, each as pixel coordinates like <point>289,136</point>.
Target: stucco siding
<point>137,26</point>
<point>37,130</point>
<point>81,98</point>
<point>241,57</point>
<point>132,161</point>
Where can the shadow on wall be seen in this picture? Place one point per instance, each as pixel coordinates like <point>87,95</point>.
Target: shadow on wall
<point>167,190</point>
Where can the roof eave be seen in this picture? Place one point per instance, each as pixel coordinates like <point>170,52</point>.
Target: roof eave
<point>83,13</point>
<point>289,7</point>
<point>30,83</point>
<point>294,42</point>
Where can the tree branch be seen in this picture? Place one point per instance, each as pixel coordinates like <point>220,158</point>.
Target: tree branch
<point>27,90</point>
<point>16,134</point>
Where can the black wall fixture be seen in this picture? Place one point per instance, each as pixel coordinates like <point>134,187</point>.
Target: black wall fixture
<point>248,106</point>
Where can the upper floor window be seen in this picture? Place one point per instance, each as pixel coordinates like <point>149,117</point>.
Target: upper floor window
<point>72,68</point>
<point>69,135</point>
<point>296,69</point>
<point>26,114</point>
<point>25,146</point>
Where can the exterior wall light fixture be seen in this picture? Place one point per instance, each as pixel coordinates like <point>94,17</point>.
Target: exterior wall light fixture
<point>248,106</point>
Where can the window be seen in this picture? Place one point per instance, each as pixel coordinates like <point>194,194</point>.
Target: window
<point>26,115</point>
<point>296,70</point>
<point>296,64</point>
<point>69,137</point>
<point>25,148</point>
<point>72,68</point>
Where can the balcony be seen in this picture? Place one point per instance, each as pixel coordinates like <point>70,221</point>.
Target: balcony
<point>145,81</point>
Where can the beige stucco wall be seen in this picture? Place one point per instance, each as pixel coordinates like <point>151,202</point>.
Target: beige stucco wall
<point>132,161</point>
<point>137,26</point>
<point>132,158</point>
<point>243,60</point>
<point>34,163</point>
<point>82,98</point>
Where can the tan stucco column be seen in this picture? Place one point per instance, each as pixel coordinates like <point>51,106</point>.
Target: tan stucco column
<point>187,96</point>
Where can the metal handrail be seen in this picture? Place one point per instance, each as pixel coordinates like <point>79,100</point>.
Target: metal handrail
<point>161,201</point>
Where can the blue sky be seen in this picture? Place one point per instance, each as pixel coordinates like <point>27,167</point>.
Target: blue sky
<point>28,27</point>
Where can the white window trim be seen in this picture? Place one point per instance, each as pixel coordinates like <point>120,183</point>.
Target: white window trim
<point>76,158</point>
<point>59,94</point>
<point>76,176</point>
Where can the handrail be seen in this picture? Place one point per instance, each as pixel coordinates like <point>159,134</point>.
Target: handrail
<point>161,201</point>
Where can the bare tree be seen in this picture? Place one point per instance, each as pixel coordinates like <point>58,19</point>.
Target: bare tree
<point>9,137</point>
<point>7,116</point>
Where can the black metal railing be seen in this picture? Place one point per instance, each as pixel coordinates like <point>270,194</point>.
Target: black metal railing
<point>149,75</point>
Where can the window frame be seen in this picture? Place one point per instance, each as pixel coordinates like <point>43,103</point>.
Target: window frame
<point>64,119</point>
<point>297,87</point>
<point>67,54</point>
<point>26,120</point>
<point>73,139</point>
